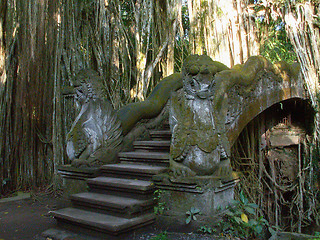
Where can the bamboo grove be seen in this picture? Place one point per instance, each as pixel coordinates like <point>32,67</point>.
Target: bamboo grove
<point>133,44</point>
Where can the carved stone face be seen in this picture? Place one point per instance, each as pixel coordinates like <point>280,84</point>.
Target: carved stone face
<point>88,85</point>
<point>198,77</point>
<point>81,95</point>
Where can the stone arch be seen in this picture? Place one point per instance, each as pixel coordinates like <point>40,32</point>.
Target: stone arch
<point>293,111</point>
<point>272,142</point>
<point>267,98</point>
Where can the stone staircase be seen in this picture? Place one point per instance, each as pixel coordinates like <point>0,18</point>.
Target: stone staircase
<point>121,197</point>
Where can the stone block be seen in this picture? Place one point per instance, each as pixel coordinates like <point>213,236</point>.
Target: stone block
<point>284,140</point>
<point>74,179</point>
<point>209,194</point>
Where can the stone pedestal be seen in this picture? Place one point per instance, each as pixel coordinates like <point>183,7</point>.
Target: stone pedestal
<point>209,194</point>
<point>74,179</point>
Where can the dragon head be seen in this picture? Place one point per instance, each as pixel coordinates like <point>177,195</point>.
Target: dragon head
<point>88,85</point>
<point>198,76</point>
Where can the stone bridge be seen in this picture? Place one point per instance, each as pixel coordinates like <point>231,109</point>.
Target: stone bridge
<point>260,85</point>
<point>268,88</point>
<point>216,103</point>
<point>209,106</point>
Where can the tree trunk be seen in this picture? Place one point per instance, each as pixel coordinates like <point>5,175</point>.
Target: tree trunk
<point>222,29</point>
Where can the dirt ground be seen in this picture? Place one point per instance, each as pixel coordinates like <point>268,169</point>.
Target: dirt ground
<point>27,218</point>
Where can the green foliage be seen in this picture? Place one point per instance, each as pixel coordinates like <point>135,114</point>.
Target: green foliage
<point>277,47</point>
<point>242,220</point>
<point>180,52</point>
<point>160,206</point>
<point>207,230</point>
<point>191,214</point>
<point>127,13</point>
<point>181,46</point>
<point>161,236</point>
<point>219,12</point>
<point>317,235</point>
<point>185,18</point>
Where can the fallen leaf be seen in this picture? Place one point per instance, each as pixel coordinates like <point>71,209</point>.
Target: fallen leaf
<point>244,218</point>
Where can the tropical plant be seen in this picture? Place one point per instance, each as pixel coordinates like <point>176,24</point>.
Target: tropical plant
<point>160,205</point>
<point>206,230</point>
<point>242,220</point>
<point>192,214</point>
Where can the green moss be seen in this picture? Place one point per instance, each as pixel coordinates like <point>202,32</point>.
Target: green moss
<point>226,78</point>
<point>130,114</point>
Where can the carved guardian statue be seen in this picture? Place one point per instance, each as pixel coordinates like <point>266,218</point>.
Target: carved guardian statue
<point>196,147</point>
<point>214,105</point>
<point>96,131</point>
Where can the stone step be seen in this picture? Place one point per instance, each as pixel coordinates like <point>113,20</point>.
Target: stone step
<point>113,205</point>
<point>155,158</point>
<point>162,146</point>
<point>70,172</point>
<point>160,135</point>
<point>122,186</point>
<point>101,222</point>
<point>131,170</point>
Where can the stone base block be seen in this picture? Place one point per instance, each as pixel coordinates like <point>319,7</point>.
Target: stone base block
<point>208,194</point>
<point>74,179</point>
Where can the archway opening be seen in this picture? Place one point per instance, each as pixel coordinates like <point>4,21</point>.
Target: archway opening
<point>273,153</point>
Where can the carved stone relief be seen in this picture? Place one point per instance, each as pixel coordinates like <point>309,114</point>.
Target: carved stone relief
<point>210,111</point>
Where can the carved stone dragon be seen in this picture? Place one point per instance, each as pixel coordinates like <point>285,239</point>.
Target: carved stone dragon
<point>96,131</point>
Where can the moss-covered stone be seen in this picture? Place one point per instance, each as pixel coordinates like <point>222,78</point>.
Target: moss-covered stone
<point>130,114</point>
<point>216,103</point>
<point>234,96</point>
